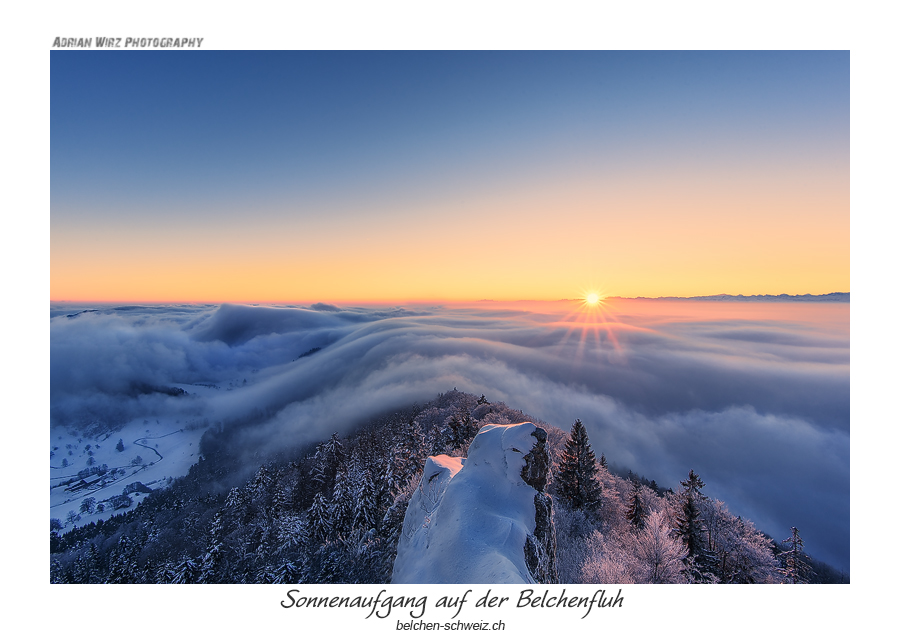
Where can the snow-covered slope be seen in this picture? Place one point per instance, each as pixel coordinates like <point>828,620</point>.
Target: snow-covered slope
<point>94,467</point>
<point>483,519</point>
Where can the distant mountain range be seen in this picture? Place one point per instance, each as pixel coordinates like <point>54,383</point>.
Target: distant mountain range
<point>828,297</point>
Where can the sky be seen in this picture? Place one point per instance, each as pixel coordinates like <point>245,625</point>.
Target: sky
<point>293,176</point>
<point>755,397</point>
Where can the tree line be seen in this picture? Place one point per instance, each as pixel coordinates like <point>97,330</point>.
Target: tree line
<point>333,512</point>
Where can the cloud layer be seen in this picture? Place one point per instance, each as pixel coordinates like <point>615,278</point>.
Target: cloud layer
<point>755,398</point>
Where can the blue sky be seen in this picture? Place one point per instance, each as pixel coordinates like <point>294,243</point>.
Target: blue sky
<point>308,170</point>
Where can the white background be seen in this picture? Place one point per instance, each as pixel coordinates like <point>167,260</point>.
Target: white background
<point>866,29</point>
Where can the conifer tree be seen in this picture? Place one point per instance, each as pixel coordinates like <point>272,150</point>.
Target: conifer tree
<point>576,480</point>
<point>122,563</point>
<point>365,510</point>
<point>796,567</point>
<point>636,513</point>
<point>286,572</point>
<point>329,456</point>
<point>409,454</point>
<point>57,573</point>
<point>186,571</point>
<point>319,519</point>
<point>342,502</point>
<point>462,429</point>
<point>689,526</point>
<point>211,562</point>
<point>87,567</point>
<point>262,484</point>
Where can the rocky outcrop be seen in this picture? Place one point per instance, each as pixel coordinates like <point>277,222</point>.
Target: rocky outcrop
<point>540,545</point>
<point>485,518</point>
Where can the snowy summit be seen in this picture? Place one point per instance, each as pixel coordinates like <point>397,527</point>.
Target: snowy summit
<point>484,518</point>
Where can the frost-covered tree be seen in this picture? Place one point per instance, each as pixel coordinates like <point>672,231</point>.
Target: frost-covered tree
<point>186,571</point>
<point>392,521</point>
<point>576,480</point>
<point>262,484</point>
<point>123,566</point>
<point>607,561</point>
<point>211,562</point>
<point>329,457</point>
<point>795,566</point>
<point>292,533</point>
<point>659,555</point>
<point>88,568</point>
<point>365,511</point>
<point>319,519</point>
<point>342,503</point>
<point>409,454</point>
<point>573,546</point>
<point>461,429</point>
<point>742,554</point>
<point>282,573</point>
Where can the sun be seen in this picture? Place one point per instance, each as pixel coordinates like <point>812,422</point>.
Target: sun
<point>592,298</point>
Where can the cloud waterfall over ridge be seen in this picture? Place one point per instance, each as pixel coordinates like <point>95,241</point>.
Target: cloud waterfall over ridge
<point>754,398</point>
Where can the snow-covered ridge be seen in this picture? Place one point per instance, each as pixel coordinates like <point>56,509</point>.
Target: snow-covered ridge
<point>482,519</point>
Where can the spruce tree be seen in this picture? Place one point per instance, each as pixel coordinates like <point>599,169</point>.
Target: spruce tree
<point>319,518</point>
<point>211,563</point>
<point>123,563</point>
<point>636,513</point>
<point>689,526</point>
<point>462,429</point>
<point>328,459</point>
<point>576,478</point>
<point>365,509</point>
<point>342,502</point>
<point>796,567</point>
<point>286,572</point>
<point>409,451</point>
<point>186,571</point>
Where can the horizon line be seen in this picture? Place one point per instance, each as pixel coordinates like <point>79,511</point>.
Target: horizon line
<point>839,296</point>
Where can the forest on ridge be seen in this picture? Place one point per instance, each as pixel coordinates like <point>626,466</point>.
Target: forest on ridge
<point>333,512</point>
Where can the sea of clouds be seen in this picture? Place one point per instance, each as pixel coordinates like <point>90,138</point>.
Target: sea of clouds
<point>755,398</point>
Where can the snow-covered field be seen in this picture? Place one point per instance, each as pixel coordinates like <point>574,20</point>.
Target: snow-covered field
<point>81,467</point>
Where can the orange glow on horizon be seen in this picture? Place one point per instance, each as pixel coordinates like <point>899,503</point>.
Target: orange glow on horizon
<point>689,234</point>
